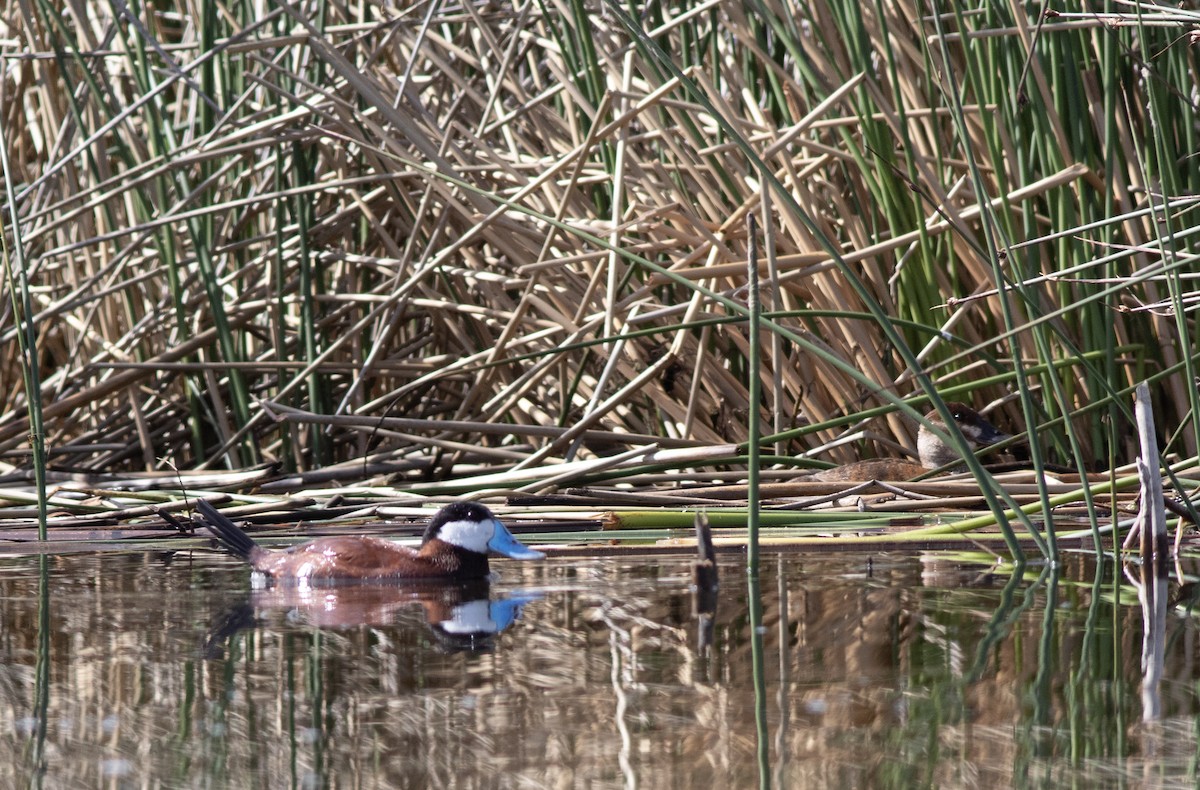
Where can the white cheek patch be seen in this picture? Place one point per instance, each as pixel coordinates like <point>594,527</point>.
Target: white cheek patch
<point>470,535</point>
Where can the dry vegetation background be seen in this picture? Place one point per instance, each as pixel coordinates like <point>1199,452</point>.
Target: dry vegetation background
<point>441,238</point>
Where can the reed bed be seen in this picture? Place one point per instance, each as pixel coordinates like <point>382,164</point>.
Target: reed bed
<point>500,250</point>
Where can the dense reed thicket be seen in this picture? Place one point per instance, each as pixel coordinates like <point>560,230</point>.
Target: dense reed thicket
<point>441,236</point>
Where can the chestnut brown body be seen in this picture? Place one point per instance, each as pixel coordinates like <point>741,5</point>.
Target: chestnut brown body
<point>454,548</point>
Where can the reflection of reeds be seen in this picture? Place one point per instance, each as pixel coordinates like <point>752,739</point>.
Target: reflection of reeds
<point>859,656</point>
<point>501,240</point>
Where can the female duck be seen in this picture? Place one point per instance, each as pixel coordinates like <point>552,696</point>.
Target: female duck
<point>454,548</point>
<point>933,452</point>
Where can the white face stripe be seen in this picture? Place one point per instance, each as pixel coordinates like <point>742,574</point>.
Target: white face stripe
<point>470,535</point>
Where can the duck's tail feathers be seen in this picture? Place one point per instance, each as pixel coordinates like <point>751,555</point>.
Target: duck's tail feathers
<point>230,535</point>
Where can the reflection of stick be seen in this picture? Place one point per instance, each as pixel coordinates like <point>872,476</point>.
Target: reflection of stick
<point>704,572</point>
<point>704,575</point>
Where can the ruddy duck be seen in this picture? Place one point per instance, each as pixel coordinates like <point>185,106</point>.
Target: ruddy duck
<point>932,451</point>
<point>454,548</point>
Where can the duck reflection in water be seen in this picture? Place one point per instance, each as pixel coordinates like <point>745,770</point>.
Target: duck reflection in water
<point>339,582</point>
<point>461,616</point>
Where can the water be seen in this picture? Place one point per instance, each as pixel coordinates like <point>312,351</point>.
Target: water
<point>886,671</point>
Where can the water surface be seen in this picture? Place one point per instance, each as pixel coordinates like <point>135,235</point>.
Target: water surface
<point>165,670</point>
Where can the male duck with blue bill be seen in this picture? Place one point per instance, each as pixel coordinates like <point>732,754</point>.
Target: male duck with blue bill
<point>455,547</point>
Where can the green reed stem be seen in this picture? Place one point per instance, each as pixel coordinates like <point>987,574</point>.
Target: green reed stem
<point>754,387</point>
<point>19,291</point>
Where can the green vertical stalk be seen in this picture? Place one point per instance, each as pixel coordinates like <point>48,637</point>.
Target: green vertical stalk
<point>310,288</point>
<point>278,299</point>
<point>754,385</point>
<point>18,289</point>
<point>309,268</point>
